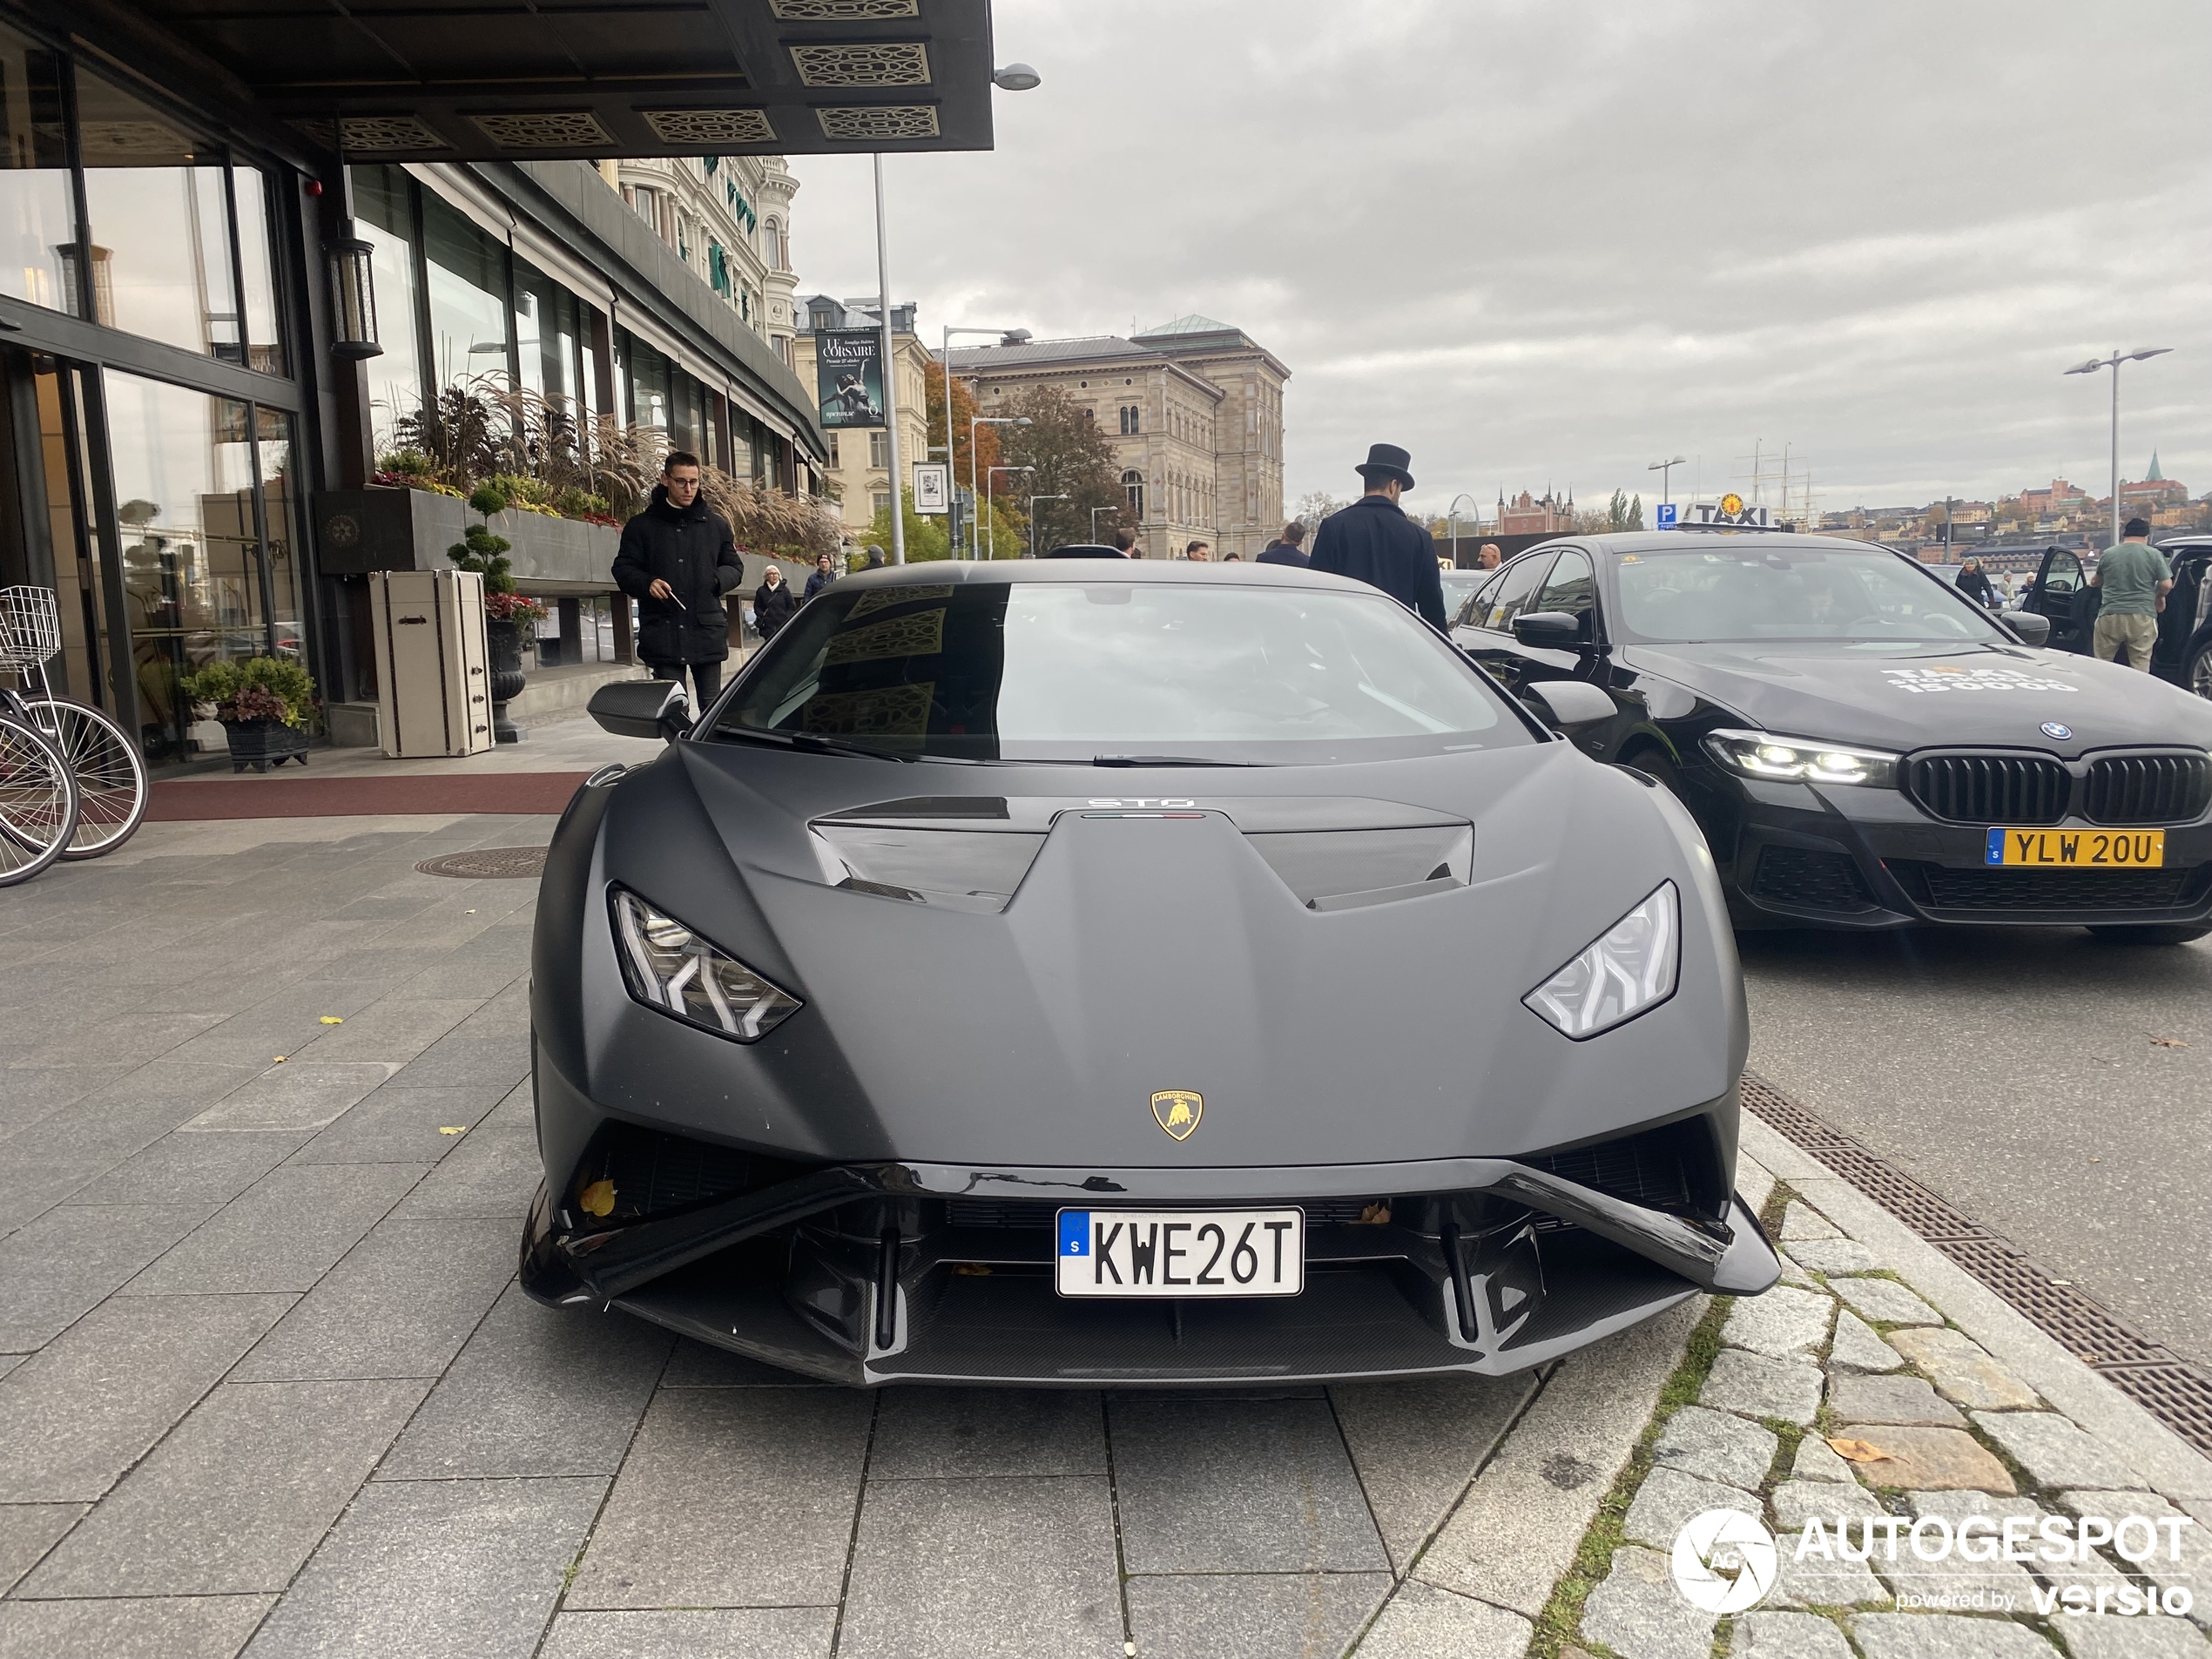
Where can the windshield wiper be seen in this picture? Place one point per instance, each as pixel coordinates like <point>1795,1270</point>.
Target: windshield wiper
<point>808,743</point>
<point>1167,760</point>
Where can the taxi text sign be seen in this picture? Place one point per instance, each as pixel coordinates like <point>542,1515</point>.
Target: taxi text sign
<point>932,488</point>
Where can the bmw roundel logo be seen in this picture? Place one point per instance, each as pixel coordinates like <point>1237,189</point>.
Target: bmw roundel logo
<point>2058,733</point>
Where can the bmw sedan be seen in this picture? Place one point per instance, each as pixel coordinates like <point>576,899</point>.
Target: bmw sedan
<point>1035,973</point>
<point>1863,745</point>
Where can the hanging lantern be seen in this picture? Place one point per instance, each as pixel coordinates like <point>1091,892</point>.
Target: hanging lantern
<point>352,284</point>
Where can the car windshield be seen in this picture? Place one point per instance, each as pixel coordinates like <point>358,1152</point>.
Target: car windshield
<point>1126,672</point>
<point>1750,592</point>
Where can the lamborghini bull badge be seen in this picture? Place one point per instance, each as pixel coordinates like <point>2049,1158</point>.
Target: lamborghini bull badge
<point>1178,1111</point>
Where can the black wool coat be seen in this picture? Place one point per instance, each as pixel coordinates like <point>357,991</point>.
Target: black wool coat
<point>1373,540</point>
<point>772,607</point>
<point>692,550</point>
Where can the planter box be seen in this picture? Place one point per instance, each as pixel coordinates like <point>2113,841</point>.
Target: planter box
<point>386,529</point>
<point>263,744</point>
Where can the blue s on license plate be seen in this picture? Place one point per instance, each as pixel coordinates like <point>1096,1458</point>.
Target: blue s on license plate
<point>1180,1252</point>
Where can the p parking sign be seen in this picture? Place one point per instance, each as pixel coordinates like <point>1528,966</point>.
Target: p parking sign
<point>1666,516</point>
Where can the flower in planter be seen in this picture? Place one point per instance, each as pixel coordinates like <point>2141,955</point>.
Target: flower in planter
<point>258,688</point>
<point>513,607</point>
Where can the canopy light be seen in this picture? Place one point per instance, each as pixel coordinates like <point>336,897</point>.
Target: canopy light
<point>352,290</point>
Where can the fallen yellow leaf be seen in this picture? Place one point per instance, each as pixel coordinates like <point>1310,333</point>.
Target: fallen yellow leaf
<point>332,1019</point>
<point>458,1129</point>
<point>1857,1451</point>
<point>2169,1043</point>
<point>598,1199</point>
<point>279,1059</point>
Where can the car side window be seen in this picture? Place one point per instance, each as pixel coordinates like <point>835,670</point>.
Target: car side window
<point>2062,574</point>
<point>1511,596</point>
<point>1571,588</point>
<point>1478,605</point>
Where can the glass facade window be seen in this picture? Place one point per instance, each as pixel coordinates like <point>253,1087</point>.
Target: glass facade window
<point>155,195</point>
<point>384,214</point>
<point>545,335</point>
<point>468,293</point>
<point>648,387</point>
<point>250,206</point>
<point>37,207</point>
<point>194,582</point>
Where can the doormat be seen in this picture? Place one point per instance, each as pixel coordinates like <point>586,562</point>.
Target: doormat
<point>183,798</point>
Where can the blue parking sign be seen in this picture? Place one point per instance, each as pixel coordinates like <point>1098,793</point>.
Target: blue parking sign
<point>1665,516</point>
<point>1075,1232</point>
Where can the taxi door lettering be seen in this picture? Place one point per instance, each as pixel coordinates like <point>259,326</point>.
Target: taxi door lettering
<point>1101,1261</point>
<point>1141,1251</point>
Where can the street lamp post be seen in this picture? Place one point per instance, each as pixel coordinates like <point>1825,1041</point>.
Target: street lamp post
<point>1451,518</point>
<point>973,483</point>
<point>1006,337</point>
<point>890,375</point>
<point>2113,363</point>
<point>1094,520</point>
<point>988,474</point>
<point>1665,469</point>
<point>1034,500</point>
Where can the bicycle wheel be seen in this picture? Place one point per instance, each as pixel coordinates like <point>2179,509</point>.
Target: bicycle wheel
<point>111,790</point>
<point>37,803</point>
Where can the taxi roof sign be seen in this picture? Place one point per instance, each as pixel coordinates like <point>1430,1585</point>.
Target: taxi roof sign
<point>1731,512</point>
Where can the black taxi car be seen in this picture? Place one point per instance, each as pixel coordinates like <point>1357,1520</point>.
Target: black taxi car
<point>2060,593</point>
<point>1863,746</point>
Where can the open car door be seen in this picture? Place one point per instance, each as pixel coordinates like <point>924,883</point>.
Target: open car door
<point>2062,593</point>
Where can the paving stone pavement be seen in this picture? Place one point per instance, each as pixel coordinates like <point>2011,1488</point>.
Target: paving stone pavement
<point>1903,1423</point>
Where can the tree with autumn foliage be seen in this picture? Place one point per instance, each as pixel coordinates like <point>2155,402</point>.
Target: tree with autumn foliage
<point>1072,457</point>
<point>986,437</point>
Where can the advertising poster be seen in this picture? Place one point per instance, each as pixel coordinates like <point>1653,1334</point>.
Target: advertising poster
<point>933,489</point>
<point>848,378</point>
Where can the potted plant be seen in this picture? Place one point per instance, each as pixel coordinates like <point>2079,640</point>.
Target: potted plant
<point>506,612</point>
<point>267,707</point>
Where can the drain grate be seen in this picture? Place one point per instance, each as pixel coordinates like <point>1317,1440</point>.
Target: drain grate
<point>2175,1392</point>
<point>489,863</point>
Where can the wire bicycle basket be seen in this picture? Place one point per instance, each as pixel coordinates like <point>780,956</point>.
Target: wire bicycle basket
<point>30,633</point>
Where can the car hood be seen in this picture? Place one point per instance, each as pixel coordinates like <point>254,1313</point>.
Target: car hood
<point>1906,697</point>
<point>1151,947</point>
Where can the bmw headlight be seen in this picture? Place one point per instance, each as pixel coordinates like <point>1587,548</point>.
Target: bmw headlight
<point>1761,754</point>
<point>671,968</point>
<point>1629,968</point>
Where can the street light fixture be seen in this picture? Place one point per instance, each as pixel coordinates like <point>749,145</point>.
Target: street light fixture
<point>1006,337</point>
<point>2113,363</point>
<point>1034,500</point>
<point>988,474</point>
<point>1665,469</point>
<point>1017,77</point>
<point>1094,520</point>
<point>1451,518</point>
<point>976,530</point>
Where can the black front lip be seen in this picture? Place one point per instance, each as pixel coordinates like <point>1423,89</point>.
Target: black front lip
<point>1892,831</point>
<point>1729,1258</point>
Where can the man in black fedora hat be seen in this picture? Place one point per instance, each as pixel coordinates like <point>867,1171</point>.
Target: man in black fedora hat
<point>1373,540</point>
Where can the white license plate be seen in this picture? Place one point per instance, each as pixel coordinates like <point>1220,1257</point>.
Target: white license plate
<point>1180,1252</point>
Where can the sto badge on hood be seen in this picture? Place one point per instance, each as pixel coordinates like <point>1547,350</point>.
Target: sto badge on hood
<point>1178,1111</point>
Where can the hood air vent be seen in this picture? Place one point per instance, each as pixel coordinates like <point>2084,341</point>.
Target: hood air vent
<point>1346,869</point>
<point>956,852</point>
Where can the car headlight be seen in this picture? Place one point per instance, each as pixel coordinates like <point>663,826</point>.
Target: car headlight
<point>1629,968</point>
<point>669,967</point>
<point>1800,761</point>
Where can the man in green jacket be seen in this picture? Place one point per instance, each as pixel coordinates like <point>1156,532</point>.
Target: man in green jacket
<point>2134,581</point>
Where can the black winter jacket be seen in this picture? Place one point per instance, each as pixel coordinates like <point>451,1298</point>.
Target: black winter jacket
<point>772,607</point>
<point>1373,540</point>
<point>690,549</point>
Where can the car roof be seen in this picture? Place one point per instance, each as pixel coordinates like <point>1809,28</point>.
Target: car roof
<point>1245,573</point>
<point>1677,541</point>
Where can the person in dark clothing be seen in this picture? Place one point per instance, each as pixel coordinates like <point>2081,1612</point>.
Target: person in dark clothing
<point>1285,549</point>
<point>677,560</point>
<point>773,603</point>
<point>1373,540</point>
<point>1974,583</point>
<point>822,577</point>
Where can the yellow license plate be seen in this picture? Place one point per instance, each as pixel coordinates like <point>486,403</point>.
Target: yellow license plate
<point>2078,849</point>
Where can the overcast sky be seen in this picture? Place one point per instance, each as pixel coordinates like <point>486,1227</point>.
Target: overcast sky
<point>1551,241</point>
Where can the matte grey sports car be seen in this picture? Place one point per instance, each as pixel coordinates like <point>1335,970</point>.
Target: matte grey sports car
<point>1036,973</point>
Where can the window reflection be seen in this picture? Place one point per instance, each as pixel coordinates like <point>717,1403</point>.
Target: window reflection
<point>159,227</point>
<point>250,206</point>
<point>468,296</point>
<point>384,212</point>
<point>37,219</point>
<point>184,492</point>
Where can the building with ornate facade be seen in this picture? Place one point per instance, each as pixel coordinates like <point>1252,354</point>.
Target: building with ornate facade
<point>1527,515</point>
<point>1193,409</point>
<point>859,475</point>
<point>728,219</point>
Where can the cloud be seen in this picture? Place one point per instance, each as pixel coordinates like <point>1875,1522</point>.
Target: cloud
<point>1555,241</point>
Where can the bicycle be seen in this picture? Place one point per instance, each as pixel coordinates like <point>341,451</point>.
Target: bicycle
<point>38,802</point>
<point>109,772</point>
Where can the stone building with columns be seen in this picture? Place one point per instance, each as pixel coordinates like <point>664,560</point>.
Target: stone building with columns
<point>1193,409</point>
<point>728,219</point>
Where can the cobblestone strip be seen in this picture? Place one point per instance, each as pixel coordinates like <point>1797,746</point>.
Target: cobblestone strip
<point>1880,1388</point>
